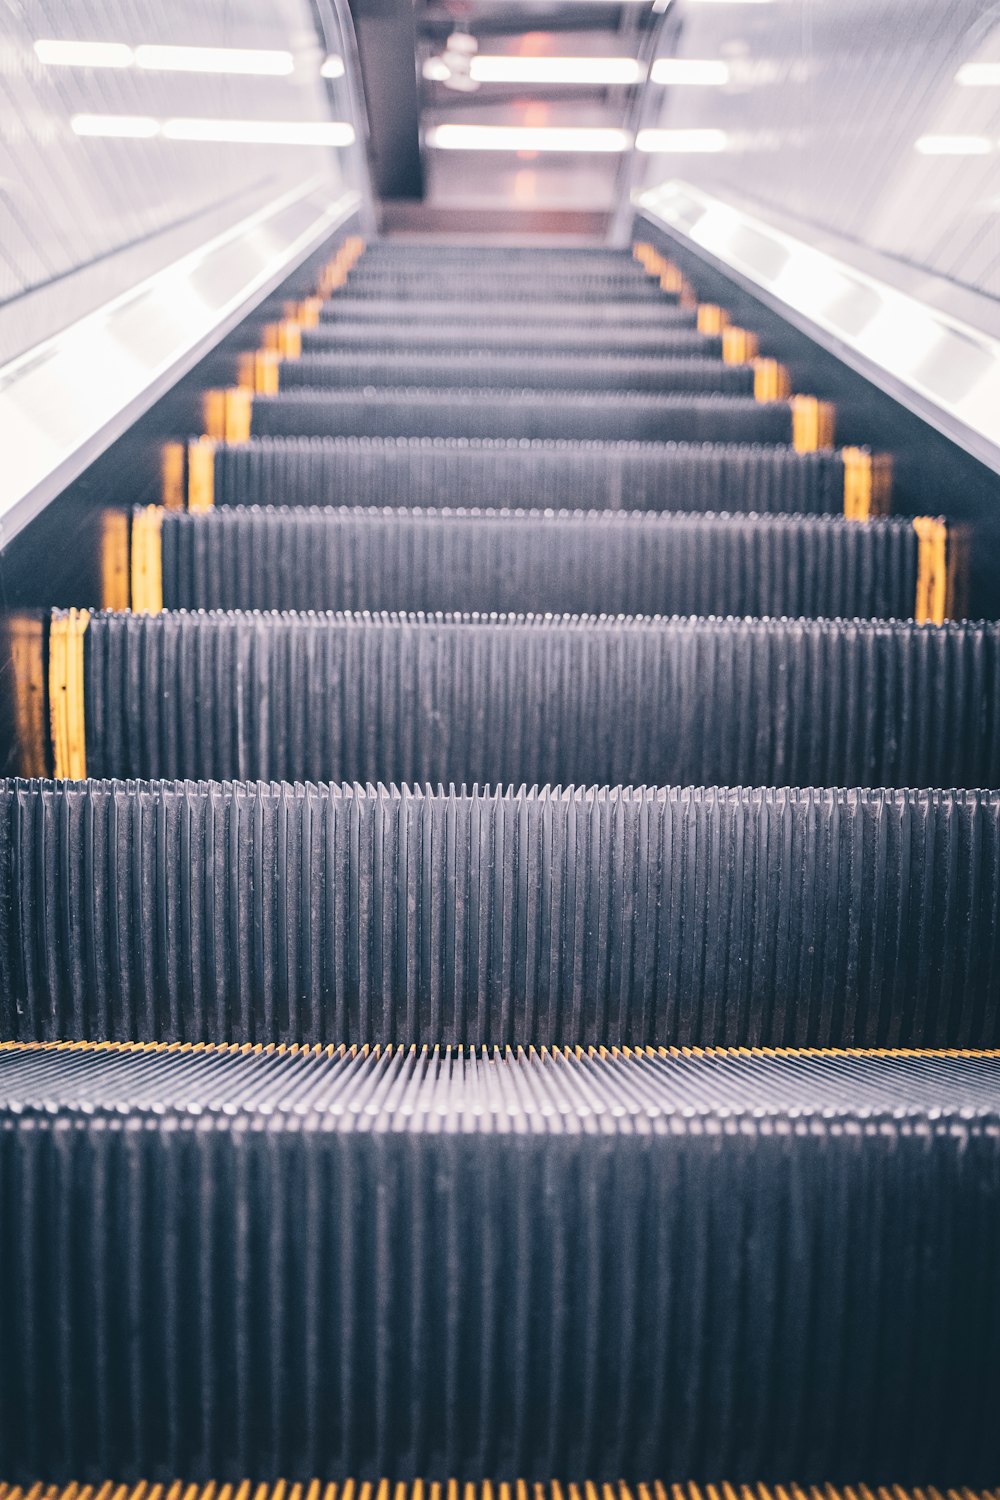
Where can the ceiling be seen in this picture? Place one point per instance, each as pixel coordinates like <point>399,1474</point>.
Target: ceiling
<point>435,63</point>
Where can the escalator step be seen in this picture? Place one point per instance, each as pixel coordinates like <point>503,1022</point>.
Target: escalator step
<point>521,699</point>
<point>511,1489</point>
<point>563,562</point>
<point>488,285</point>
<point>410,1263</point>
<point>443,412</point>
<point>680,334</point>
<point>560,372</point>
<point>249,913</point>
<point>541,474</point>
<point>659,311</point>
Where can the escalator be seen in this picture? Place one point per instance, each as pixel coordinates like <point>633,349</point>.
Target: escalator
<point>499,978</point>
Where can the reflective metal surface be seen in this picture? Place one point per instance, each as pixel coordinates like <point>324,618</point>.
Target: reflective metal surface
<point>846,164</point>
<point>945,370</point>
<point>160,170</point>
<point>858,118</point>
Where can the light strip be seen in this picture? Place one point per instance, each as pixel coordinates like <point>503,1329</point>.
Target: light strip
<point>333,67</point>
<point>687,70</point>
<point>253,60</point>
<point>237,132</point>
<point>569,139</point>
<point>670,141</point>
<point>954,145</point>
<point>84,54</point>
<point>262,132</point>
<point>601,71</point>
<point>979,75</point>
<point>133,127</point>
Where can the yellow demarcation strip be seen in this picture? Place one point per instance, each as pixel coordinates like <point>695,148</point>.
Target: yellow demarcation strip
<point>813,423</point>
<point>306,313</point>
<point>867,484</point>
<point>284,338</point>
<point>931,606</point>
<point>26,644</point>
<point>258,371</point>
<point>487,1489</point>
<point>494,1051</point>
<point>147,561</point>
<point>771,381</point>
<point>201,474</point>
<point>66,707</point>
<point>114,560</point>
<point>711,319</point>
<point>227,414</point>
<point>172,475</point>
<point>739,346</point>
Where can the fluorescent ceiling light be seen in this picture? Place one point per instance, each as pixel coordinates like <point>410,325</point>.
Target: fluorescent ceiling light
<point>213,60</point>
<point>686,70</point>
<point>569,138</point>
<point>669,141</point>
<point>333,67</point>
<point>979,75</point>
<point>135,127</point>
<point>262,132</point>
<point>730,2</point>
<point>595,70</point>
<point>241,132</point>
<point>84,54</point>
<point>954,145</point>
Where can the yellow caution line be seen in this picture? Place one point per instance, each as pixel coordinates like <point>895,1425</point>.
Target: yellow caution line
<point>114,560</point>
<point>26,646</point>
<point>201,474</point>
<point>334,274</point>
<point>813,423</point>
<point>227,414</point>
<point>453,1489</point>
<point>932,603</point>
<point>771,381</point>
<point>147,560</point>
<point>66,706</point>
<point>172,472</point>
<point>867,484</point>
<point>400,1049</point>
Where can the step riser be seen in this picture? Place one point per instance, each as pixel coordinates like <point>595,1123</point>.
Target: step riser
<point>508,371</point>
<point>534,414</point>
<point>514,1293</point>
<point>681,918</point>
<point>696,701</point>
<point>614,476</point>
<point>432,561</point>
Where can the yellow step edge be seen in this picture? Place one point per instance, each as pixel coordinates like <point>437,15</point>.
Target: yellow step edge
<point>201,474</point>
<point>284,338</point>
<point>172,475</point>
<point>739,346</point>
<point>487,1489</point>
<point>227,414</point>
<point>867,484</point>
<point>813,423</point>
<point>711,318</point>
<point>147,561</point>
<point>771,380</point>
<point>306,313</point>
<point>66,707</point>
<point>114,560</point>
<point>931,607</point>
<point>633,1057</point>
<point>257,371</point>
<point>25,635</point>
